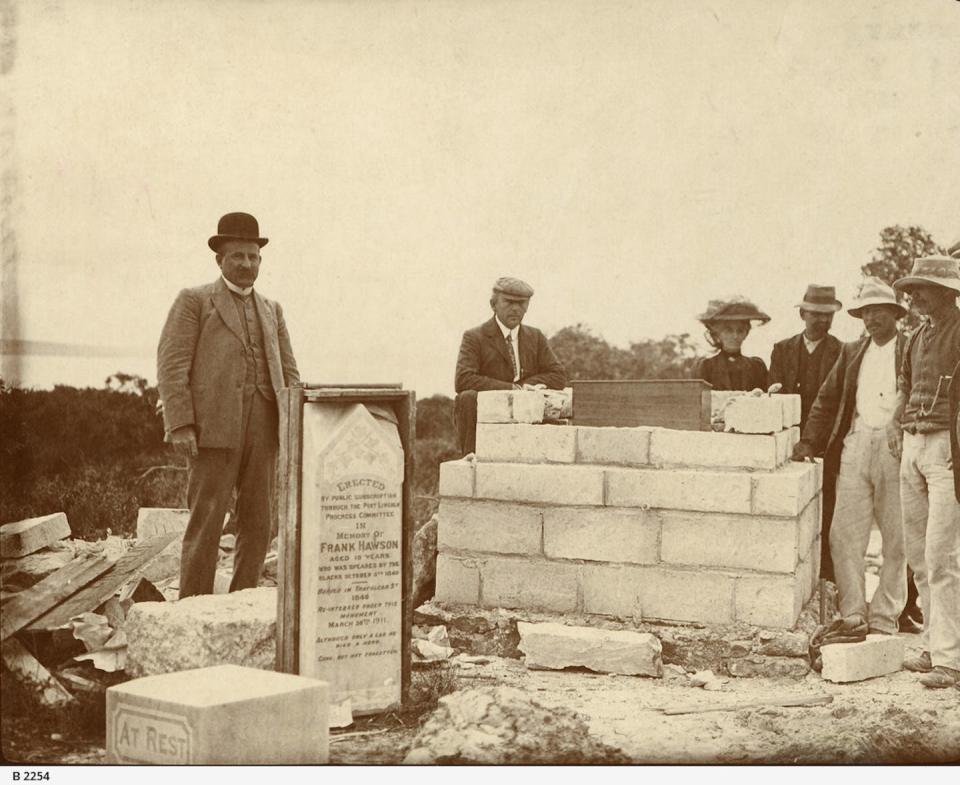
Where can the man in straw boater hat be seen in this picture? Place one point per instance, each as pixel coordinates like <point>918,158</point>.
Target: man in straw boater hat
<point>728,324</point>
<point>924,436</point>
<point>799,365</point>
<point>224,354</point>
<point>502,354</point>
<point>848,424</point>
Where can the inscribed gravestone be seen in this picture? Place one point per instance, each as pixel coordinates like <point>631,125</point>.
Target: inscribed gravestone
<point>351,538</point>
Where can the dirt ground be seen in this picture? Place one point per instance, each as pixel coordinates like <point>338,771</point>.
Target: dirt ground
<point>891,719</point>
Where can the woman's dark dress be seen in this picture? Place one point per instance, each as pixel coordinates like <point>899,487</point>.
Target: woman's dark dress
<point>732,372</point>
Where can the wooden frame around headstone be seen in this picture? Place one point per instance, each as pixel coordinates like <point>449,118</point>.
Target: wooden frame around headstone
<point>682,404</point>
<point>290,403</point>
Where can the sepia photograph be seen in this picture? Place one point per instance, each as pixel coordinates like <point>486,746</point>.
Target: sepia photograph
<point>418,383</point>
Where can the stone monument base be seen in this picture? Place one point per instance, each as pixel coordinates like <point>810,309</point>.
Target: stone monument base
<point>739,649</point>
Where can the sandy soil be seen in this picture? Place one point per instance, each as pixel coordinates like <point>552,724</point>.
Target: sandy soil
<point>891,719</point>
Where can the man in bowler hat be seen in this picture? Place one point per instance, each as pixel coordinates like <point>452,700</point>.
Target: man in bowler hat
<point>800,364</point>
<point>224,354</point>
<point>502,354</point>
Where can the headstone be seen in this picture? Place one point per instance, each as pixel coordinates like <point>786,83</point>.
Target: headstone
<point>29,536</point>
<point>351,549</point>
<point>224,715</point>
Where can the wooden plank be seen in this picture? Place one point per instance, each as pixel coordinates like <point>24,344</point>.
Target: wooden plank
<point>355,396</point>
<point>389,386</point>
<point>25,667</point>
<point>781,700</point>
<point>407,427</point>
<point>101,589</point>
<point>30,604</point>
<point>288,546</point>
<point>681,404</point>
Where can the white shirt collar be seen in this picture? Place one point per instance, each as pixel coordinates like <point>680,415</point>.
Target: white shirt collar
<point>506,330</point>
<point>811,345</point>
<point>236,289</point>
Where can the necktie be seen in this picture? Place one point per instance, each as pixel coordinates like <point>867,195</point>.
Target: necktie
<point>513,357</point>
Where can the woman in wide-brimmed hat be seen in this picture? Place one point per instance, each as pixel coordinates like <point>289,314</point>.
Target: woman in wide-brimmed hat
<point>728,323</point>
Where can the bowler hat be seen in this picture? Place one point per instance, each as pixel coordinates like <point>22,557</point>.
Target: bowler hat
<point>874,291</point>
<point>733,309</point>
<point>512,287</point>
<point>237,226</point>
<point>937,270</point>
<point>820,298</point>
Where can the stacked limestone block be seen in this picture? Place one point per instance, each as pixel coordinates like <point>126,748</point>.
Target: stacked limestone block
<point>640,523</point>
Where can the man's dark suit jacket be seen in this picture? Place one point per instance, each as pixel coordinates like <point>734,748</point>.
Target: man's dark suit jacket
<point>484,361</point>
<point>785,361</point>
<point>832,412</point>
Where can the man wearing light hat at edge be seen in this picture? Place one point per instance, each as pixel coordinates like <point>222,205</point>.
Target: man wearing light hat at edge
<point>924,435</point>
<point>502,354</point>
<point>848,424</point>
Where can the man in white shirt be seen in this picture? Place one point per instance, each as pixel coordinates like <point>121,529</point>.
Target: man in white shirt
<point>849,416</point>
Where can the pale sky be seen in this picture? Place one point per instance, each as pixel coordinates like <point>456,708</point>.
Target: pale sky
<point>630,160</point>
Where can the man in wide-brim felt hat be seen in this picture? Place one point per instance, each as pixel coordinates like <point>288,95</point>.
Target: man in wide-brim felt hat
<point>224,354</point>
<point>848,425</point>
<point>799,364</point>
<point>924,435</point>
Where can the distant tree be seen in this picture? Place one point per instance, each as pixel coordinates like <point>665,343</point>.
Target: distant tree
<point>899,246</point>
<point>893,258</point>
<point>588,356</point>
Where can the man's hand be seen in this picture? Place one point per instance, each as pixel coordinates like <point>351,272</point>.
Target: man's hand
<point>802,451</point>
<point>895,440</point>
<point>774,388</point>
<point>185,441</point>
<point>534,387</point>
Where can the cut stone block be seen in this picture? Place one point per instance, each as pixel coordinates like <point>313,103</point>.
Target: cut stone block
<point>458,580</point>
<point>876,656</point>
<point>601,534</point>
<point>617,446</point>
<point>656,593</point>
<point>716,450</point>
<point>198,632</point>
<point>557,646</point>
<point>791,409</point>
<point>456,478</point>
<point>679,489</point>
<point>152,521</point>
<point>31,535</point>
<point>754,414</point>
<point>224,715</point>
<point>787,491</point>
<point>718,540</point>
<point>718,401</point>
<point>496,527</point>
<point>526,443</point>
<point>557,404</point>
<point>769,600</point>
<point>524,583</point>
<point>510,406</point>
<point>556,484</point>
<point>23,572</point>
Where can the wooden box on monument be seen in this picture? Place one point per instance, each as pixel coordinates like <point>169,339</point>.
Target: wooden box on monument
<point>682,404</point>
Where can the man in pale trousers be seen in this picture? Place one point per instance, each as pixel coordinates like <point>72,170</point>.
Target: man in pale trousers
<point>927,439</point>
<point>849,417</point>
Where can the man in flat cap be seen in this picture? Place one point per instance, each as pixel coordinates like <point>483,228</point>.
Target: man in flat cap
<point>800,364</point>
<point>848,424</point>
<point>502,354</point>
<point>924,436</point>
<point>224,354</point>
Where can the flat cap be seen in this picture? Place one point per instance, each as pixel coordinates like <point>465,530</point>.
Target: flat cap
<point>513,287</point>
